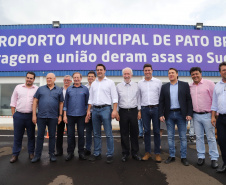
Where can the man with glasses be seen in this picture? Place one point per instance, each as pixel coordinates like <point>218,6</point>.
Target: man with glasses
<point>21,107</point>
<point>60,127</point>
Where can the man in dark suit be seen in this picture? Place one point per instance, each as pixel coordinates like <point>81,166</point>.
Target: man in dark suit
<point>175,107</point>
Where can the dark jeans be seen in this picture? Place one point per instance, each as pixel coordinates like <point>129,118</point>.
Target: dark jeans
<point>221,135</point>
<point>20,122</point>
<point>80,120</point>
<point>89,133</point>
<point>147,115</point>
<point>42,123</point>
<point>60,135</point>
<point>129,131</point>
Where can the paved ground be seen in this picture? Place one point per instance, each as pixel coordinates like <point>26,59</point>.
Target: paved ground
<point>98,173</point>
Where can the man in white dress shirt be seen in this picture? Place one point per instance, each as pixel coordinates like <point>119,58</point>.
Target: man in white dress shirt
<point>150,88</point>
<point>128,98</point>
<point>102,94</point>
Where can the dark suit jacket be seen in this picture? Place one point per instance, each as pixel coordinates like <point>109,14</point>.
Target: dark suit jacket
<point>184,98</point>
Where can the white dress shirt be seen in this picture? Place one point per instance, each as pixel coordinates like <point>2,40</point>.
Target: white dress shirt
<point>219,98</point>
<point>128,95</point>
<point>103,92</point>
<point>149,91</point>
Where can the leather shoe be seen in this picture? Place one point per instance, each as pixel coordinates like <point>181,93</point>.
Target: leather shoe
<point>59,154</point>
<point>214,164</point>
<point>82,156</point>
<point>13,159</point>
<point>136,157</point>
<point>87,152</point>
<point>169,160</point>
<point>184,162</point>
<point>52,158</point>
<point>221,170</point>
<point>124,158</point>
<point>146,157</point>
<point>93,158</point>
<point>69,157</point>
<point>109,160</point>
<point>200,161</point>
<point>35,159</point>
<point>31,156</point>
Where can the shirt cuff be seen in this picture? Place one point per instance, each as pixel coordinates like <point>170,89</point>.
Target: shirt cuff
<point>64,109</point>
<point>115,100</point>
<point>12,105</point>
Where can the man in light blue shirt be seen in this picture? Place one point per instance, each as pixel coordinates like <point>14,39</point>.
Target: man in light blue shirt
<point>219,105</point>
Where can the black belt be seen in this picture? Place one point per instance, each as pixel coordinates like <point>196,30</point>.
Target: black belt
<point>175,110</point>
<point>224,115</point>
<point>24,113</point>
<point>129,109</point>
<point>201,112</point>
<point>152,106</point>
<point>101,106</point>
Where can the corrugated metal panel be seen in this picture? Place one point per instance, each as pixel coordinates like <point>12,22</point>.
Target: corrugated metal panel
<point>35,26</point>
<point>108,73</point>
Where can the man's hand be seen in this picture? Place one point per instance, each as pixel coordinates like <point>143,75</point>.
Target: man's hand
<point>87,119</point>
<point>34,119</point>
<point>65,119</point>
<point>88,115</point>
<point>118,118</point>
<point>59,119</point>
<point>139,115</point>
<point>162,119</point>
<point>213,121</point>
<point>114,114</point>
<point>188,118</point>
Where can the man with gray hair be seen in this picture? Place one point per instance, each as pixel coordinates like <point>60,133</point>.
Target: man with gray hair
<point>60,127</point>
<point>75,106</point>
<point>128,101</point>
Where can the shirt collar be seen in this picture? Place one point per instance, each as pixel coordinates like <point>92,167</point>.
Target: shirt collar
<point>127,83</point>
<point>201,82</point>
<point>105,78</point>
<point>24,85</point>
<point>175,83</point>
<point>78,86</point>
<point>53,87</point>
<point>222,82</point>
<point>149,80</point>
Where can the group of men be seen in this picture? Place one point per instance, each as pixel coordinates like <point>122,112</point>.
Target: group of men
<point>90,106</point>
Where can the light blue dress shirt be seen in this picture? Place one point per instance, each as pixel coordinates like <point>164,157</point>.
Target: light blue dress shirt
<point>174,103</point>
<point>219,98</point>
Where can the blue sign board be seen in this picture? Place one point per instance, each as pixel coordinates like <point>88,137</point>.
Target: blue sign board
<point>116,48</point>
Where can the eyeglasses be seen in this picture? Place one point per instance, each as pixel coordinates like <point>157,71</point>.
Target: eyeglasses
<point>67,80</point>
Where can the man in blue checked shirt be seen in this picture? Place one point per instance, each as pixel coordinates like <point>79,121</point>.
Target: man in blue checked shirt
<point>75,106</point>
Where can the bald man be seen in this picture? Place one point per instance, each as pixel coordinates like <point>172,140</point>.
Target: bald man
<point>49,99</point>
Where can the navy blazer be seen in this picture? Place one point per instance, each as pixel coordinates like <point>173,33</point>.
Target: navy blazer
<point>184,98</point>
